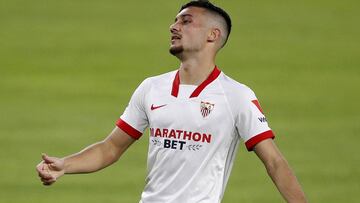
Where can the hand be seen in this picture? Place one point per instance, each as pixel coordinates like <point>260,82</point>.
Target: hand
<point>50,169</point>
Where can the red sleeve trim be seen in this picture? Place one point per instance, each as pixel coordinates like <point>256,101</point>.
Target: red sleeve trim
<point>250,144</point>
<point>132,132</point>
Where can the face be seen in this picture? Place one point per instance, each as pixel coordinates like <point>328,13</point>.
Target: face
<point>189,31</point>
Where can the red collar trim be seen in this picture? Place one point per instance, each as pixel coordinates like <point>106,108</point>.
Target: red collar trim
<point>176,84</point>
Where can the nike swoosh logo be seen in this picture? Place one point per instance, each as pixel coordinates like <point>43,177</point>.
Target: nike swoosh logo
<point>156,107</point>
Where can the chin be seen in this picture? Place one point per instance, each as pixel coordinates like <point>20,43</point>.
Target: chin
<point>175,50</point>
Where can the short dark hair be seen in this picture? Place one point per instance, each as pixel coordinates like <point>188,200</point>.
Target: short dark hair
<point>211,7</point>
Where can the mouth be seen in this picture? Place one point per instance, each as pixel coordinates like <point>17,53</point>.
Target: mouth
<point>175,37</point>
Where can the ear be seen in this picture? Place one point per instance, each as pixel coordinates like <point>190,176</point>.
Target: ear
<point>214,35</point>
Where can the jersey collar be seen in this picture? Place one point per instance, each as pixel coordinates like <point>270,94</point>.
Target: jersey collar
<point>176,84</point>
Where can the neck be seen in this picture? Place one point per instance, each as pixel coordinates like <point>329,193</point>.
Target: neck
<point>194,70</point>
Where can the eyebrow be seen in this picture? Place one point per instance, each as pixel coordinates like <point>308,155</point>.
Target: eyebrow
<point>183,16</point>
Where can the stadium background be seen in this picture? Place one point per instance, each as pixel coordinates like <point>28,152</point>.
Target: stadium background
<point>68,69</point>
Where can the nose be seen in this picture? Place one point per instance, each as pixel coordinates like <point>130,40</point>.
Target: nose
<point>174,28</point>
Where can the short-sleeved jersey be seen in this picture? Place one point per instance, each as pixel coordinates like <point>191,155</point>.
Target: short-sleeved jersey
<point>194,134</point>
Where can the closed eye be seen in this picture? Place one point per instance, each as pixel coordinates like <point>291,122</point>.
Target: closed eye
<point>185,18</point>
<point>186,21</point>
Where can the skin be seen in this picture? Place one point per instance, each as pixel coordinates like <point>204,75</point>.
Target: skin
<point>196,37</point>
<point>200,42</point>
<point>90,159</point>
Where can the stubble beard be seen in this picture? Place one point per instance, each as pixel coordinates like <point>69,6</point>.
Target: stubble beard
<point>176,50</point>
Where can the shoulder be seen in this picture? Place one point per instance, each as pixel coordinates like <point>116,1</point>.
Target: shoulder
<point>157,80</point>
<point>239,96</point>
<point>234,89</point>
<point>154,82</point>
<point>160,79</point>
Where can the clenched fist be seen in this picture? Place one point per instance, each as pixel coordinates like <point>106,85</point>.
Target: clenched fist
<point>50,169</point>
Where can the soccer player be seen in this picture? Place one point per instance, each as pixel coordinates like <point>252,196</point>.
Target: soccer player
<point>196,116</point>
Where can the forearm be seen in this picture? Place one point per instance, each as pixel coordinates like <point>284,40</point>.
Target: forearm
<point>90,159</point>
<point>286,182</point>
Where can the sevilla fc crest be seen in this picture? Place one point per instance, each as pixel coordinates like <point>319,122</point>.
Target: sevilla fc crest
<point>206,108</point>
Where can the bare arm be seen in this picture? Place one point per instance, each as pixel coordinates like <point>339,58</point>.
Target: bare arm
<point>98,155</point>
<point>280,172</point>
<point>90,159</point>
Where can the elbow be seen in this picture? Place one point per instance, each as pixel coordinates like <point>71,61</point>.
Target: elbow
<point>108,155</point>
<point>112,153</point>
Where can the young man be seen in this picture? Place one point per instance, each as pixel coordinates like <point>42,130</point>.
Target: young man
<point>196,117</point>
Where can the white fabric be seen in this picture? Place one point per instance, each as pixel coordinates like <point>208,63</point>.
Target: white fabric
<point>193,168</point>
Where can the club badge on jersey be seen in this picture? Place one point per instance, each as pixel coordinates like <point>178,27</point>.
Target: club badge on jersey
<point>206,108</point>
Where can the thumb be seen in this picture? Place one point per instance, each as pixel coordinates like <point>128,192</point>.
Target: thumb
<point>47,159</point>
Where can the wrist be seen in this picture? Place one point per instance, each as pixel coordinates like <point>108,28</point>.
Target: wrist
<point>65,162</point>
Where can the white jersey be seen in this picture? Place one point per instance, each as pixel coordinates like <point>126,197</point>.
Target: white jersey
<point>194,134</point>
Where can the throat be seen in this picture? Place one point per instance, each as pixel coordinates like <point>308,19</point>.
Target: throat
<point>194,76</point>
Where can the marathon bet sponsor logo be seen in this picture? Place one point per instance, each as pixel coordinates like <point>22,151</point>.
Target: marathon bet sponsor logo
<point>178,139</point>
